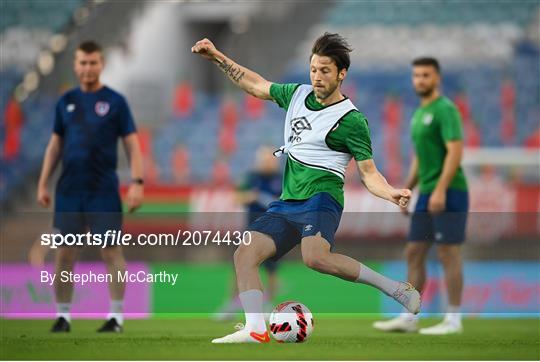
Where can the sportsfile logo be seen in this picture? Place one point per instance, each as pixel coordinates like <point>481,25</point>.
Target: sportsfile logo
<point>299,125</point>
<point>121,238</point>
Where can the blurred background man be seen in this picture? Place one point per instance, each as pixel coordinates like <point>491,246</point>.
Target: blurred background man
<point>440,215</point>
<point>88,122</point>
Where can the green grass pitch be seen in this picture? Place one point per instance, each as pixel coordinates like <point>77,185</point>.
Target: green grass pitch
<point>333,338</point>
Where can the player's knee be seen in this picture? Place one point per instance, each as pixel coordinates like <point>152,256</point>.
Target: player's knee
<point>413,257</point>
<point>66,257</point>
<point>254,253</point>
<point>246,255</point>
<point>446,255</point>
<point>112,256</point>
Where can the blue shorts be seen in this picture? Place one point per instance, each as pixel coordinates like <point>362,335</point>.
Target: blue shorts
<point>271,266</point>
<point>447,227</point>
<point>287,222</point>
<point>80,213</point>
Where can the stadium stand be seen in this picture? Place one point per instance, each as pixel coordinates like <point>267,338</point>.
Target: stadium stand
<point>485,84</point>
<point>26,28</point>
<point>496,87</point>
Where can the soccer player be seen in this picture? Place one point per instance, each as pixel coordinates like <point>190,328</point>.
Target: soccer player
<point>323,131</point>
<point>89,120</point>
<point>440,215</point>
<point>261,187</point>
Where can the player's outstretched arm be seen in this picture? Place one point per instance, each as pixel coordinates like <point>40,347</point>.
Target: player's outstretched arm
<point>378,186</point>
<point>244,78</point>
<point>50,161</point>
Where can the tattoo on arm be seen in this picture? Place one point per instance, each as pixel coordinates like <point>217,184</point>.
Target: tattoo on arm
<point>235,73</point>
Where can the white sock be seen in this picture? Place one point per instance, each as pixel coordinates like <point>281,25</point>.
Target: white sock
<point>116,311</point>
<point>379,281</point>
<point>63,310</point>
<point>453,314</point>
<point>252,302</point>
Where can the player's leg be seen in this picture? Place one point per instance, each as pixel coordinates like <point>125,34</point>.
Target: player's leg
<point>316,255</point>
<point>450,258</point>
<point>270,266</point>
<point>104,214</point>
<point>271,270</point>
<point>271,237</point>
<point>115,262</point>
<point>67,220</point>
<point>38,252</point>
<point>415,254</point>
<point>420,239</point>
<point>231,306</point>
<point>247,260</point>
<point>449,229</point>
<point>319,223</point>
<point>65,260</point>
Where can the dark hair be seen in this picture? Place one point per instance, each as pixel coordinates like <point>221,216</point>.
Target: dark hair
<point>335,47</point>
<point>89,47</point>
<point>429,61</point>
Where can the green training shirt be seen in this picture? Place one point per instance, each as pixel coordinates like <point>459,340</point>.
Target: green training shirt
<point>351,136</point>
<point>432,126</point>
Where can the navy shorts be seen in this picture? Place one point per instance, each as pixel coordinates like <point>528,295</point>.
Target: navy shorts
<point>287,222</point>
<point>80,213</point>
<point>447,227</point>
<point>271,266</point>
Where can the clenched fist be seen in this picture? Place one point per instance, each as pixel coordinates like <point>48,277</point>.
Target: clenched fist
<point>401,197</point>
<point>205,48</point>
